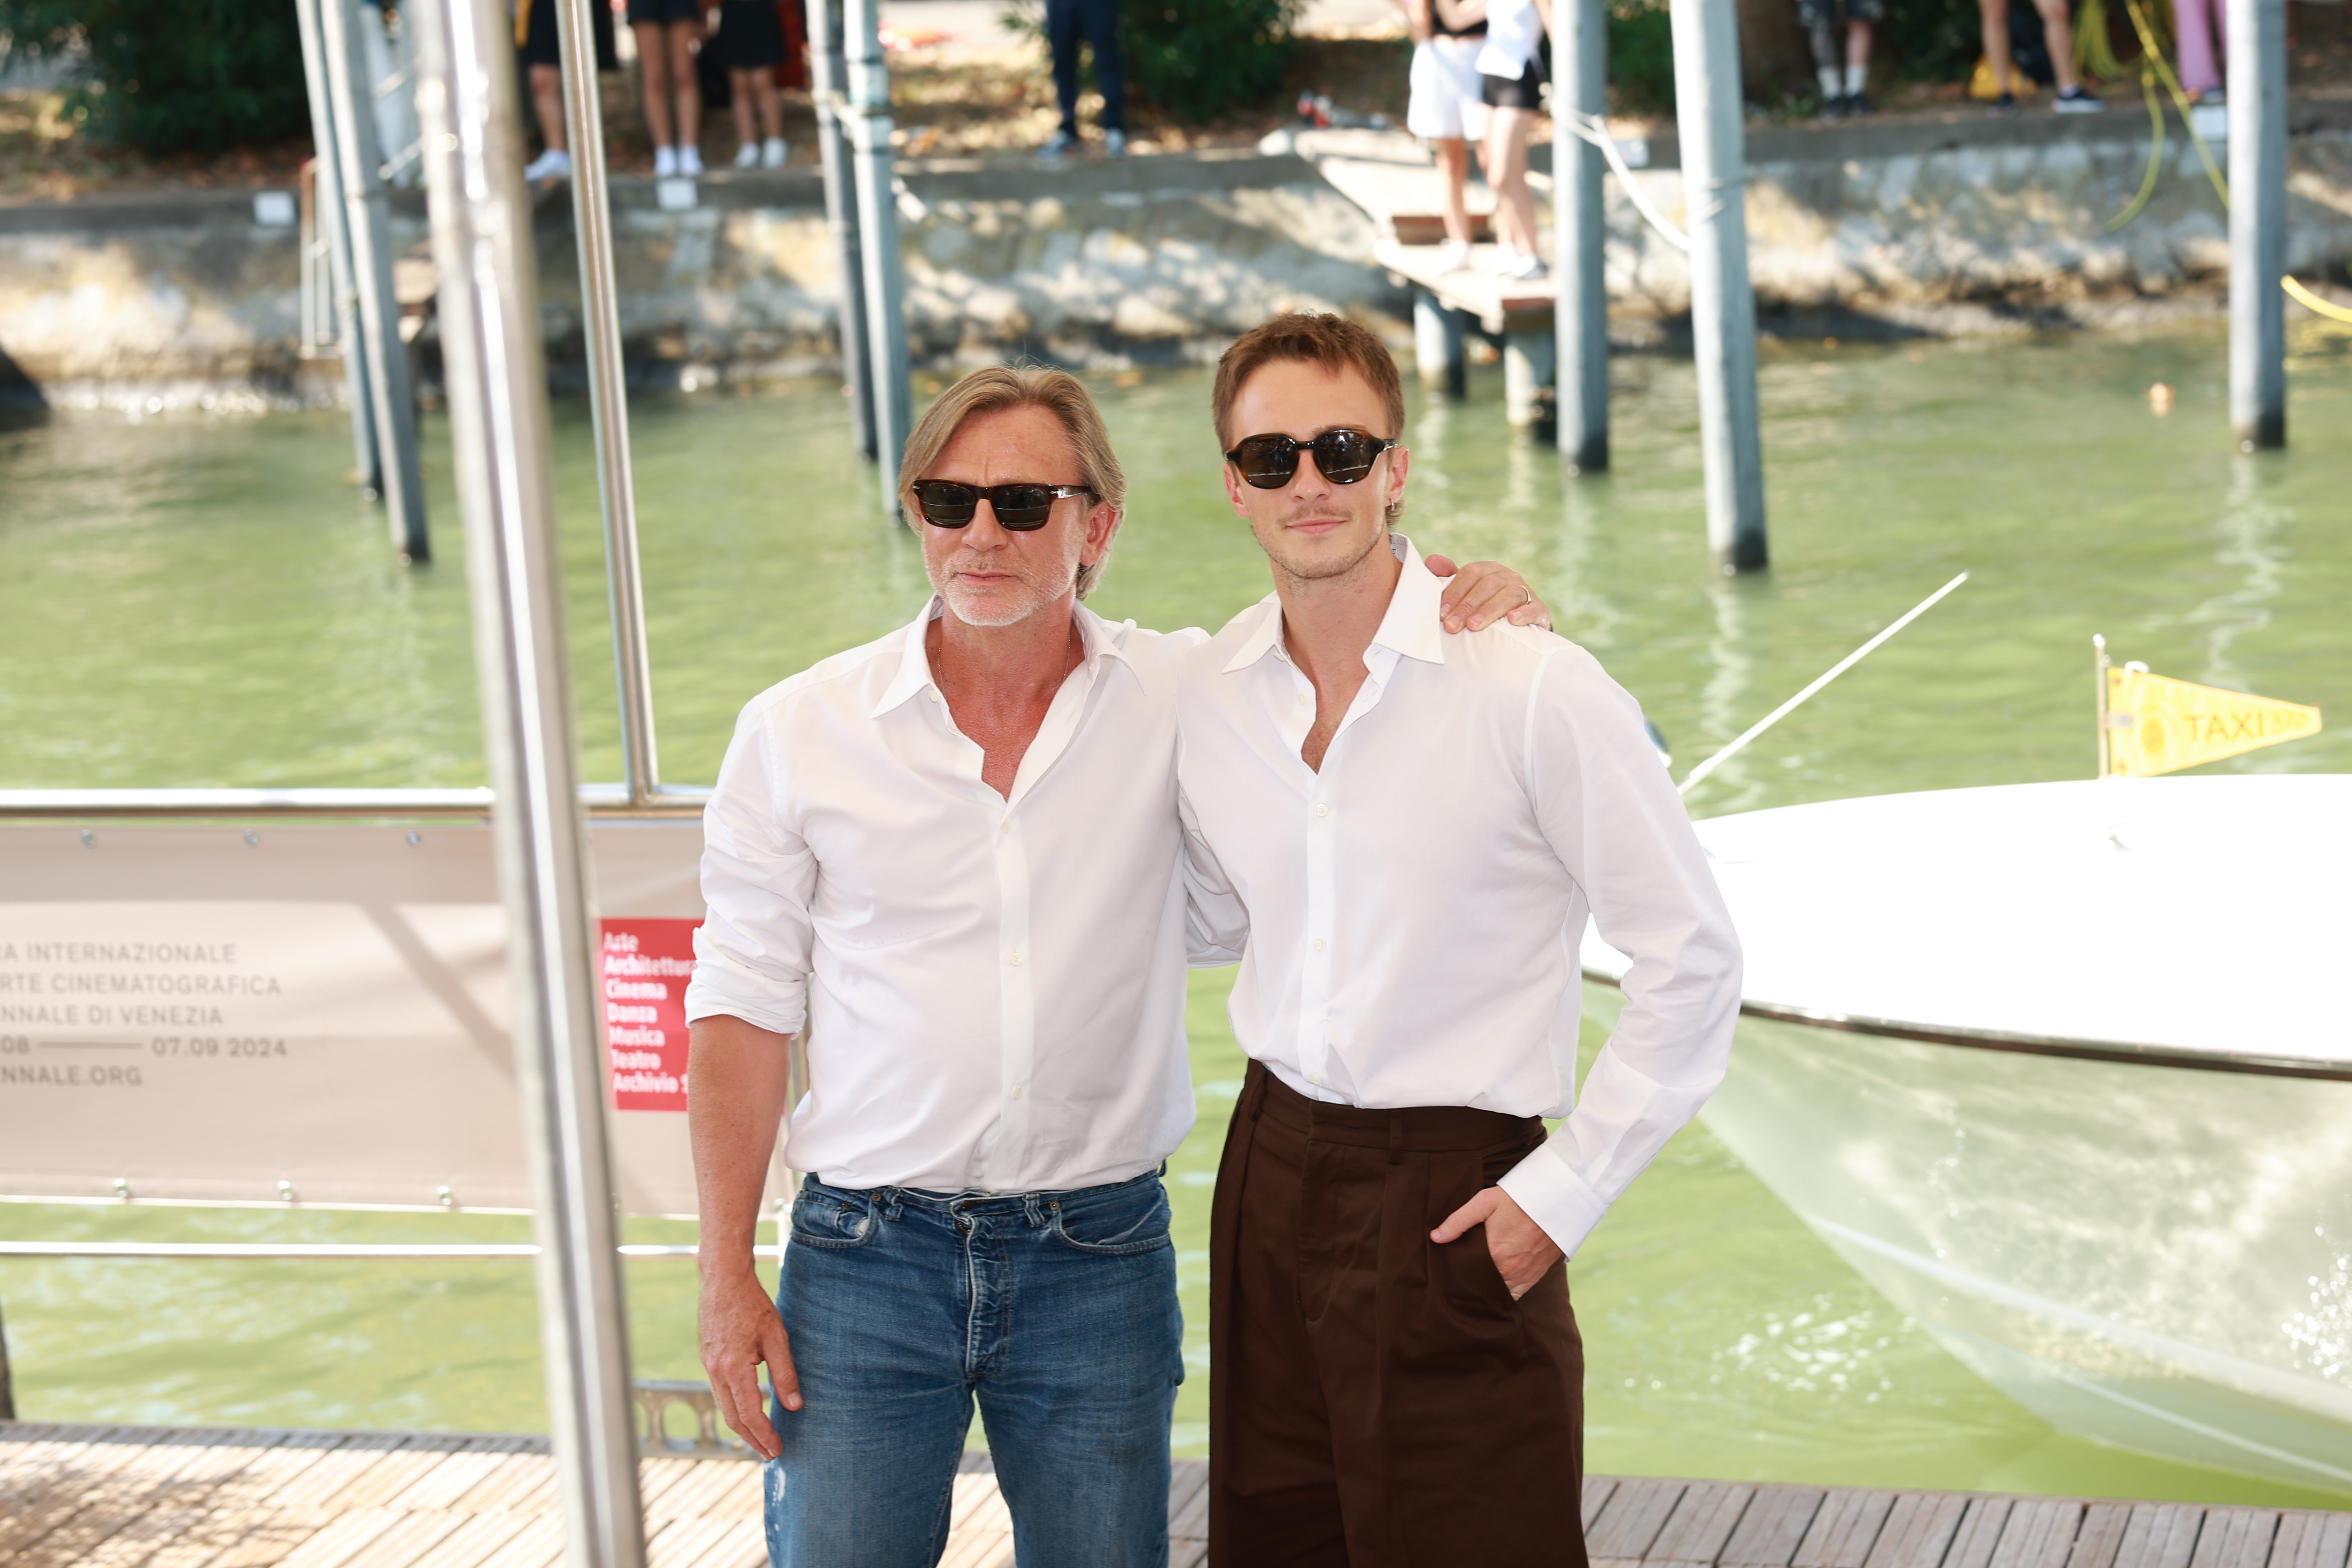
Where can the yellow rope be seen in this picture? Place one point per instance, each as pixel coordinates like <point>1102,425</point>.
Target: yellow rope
<point>2155,153</point>
<point>2172,86</point>
<point>2311,301</point>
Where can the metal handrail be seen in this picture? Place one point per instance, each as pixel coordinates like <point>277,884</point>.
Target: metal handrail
<point>601,799</point>
<point>233,1250</point>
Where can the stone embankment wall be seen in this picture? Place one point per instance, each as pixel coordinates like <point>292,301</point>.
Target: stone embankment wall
<point>1965,225</point>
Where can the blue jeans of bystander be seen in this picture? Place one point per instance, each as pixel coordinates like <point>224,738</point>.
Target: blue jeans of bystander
<point>1055,1311</point>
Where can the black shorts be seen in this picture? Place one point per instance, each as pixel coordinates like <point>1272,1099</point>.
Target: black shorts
<point>540,46</point>
<point>750,36</point>
<point>664,13</point>
<point>1823,13</point>
<point>1502,92</point>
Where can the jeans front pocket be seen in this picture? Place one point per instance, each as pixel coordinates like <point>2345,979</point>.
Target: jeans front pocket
<point>829,1219</point>
<point>1115,1222</point>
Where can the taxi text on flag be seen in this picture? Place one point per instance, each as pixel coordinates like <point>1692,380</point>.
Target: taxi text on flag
<point>2156,724</point>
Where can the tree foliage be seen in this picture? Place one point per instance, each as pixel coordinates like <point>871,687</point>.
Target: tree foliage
<point>1200,58</point>
<point>170,74</point>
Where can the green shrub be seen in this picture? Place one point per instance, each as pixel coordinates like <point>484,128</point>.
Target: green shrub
<point>1200,58</point>
<point>165,76</point>
<point>1932,40</point>
<point>1641,55</point>
<point>1194,59</point>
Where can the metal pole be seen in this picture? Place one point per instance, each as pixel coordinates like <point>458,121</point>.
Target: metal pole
<point>878,220</point>
<point>608,397</point>
<point>1723,307</point>
<point>2099,685</point>
<point>498,425</point>
<point>328,206</point>
<point>2257,113</point>
<point>1580,229</point>
<point>368,216</point>
<point>829,74</point>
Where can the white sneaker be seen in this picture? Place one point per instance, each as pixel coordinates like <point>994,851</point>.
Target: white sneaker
<point>773,153</point>
<point>747,156</point>
<point>1453,256</point>
<point>1500,263</point>
<point>1524,268</point>
<point>665,162</point>
<point>689,161</point>
<point>555,163</point>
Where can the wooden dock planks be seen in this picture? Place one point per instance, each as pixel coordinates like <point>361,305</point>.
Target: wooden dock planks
<point>237,1498</point>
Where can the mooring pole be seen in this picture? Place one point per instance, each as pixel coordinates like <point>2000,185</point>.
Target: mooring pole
<point>608,396</point>
<point>1440,347</point>
<point>499,428</point>
<point>1723,307</point>
<point>878,222</point>
<point>829,73</point>
<point>368,223</point>
<point>1580,75</point>
<point>2257,111</point>
<point>328,206</point>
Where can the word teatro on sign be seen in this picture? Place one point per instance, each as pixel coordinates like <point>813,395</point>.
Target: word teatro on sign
<point>644,965</point>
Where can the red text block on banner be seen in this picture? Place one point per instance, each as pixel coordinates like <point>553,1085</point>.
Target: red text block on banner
<point>642,970</point>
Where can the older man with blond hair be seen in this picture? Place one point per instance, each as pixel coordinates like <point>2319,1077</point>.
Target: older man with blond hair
<point>952,859</point>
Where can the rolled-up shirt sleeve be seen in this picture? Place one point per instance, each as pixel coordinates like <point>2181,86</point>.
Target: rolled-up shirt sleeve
<point>752,952</point>
<point>1613,816</point>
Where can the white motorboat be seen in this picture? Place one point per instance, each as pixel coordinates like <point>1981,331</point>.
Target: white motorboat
<point>2061,1070</point>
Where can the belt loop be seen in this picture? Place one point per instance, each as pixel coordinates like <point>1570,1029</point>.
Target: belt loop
<point>1396,1137</point>
<point>889,1200</point>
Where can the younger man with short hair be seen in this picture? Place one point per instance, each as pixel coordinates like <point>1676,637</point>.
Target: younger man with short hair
<point>1413,830</point>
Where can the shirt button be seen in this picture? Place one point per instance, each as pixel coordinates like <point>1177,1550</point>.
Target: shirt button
<point>1005,827</point>
<point>1318,947</point>
<point>1016,1094</point>
<point>1302,697</point>
<point>1316,1078</point>
<point>1322,810</point>
<point>1016,960</point>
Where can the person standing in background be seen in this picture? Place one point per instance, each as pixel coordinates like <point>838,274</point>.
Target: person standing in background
<point>2058,28</point>
<point>668,33</point>
<point>1845,94</point>
<point>1098,19</point>
<point>751,45</point>
<point>1512,76</point>
<point>542,59</point>
<point>1446,110</point>
<point>2203,29</point>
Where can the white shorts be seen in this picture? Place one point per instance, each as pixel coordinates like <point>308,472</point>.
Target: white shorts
<point>1445,104</point>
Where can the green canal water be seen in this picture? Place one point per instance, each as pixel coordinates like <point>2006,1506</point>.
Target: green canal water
<point>204,601</point>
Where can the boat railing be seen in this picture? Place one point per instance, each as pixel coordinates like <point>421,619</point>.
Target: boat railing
<point>597,799</point>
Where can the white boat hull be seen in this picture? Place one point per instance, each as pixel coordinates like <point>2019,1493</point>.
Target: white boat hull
<point>2151,1256</point>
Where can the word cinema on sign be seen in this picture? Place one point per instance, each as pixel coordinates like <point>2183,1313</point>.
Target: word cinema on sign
<point>644,968</point>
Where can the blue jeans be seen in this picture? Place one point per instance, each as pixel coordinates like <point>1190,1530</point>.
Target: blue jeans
<point>1057,1310</point>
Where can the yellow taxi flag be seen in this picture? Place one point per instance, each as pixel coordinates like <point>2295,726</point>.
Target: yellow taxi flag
<point>2156,724</point>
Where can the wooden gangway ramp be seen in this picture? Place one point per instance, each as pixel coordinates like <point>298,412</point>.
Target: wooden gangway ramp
<point>149,1497</point>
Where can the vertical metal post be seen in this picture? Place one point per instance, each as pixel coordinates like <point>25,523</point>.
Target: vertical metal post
<point>1722,306</point>
<point>608,396</point>
<point>368,223</point>
<point>1579,231</point>
<point>829,74</point>
<point>877,221</point>
<point>1439,348</point>
<point>2099,683</point>
<point>7,1379</point>
<point>2257,111</point>
<point>327,206</point>
<point>499,426</point>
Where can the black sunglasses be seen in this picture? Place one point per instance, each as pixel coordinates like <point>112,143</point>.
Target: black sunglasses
<point>1019,507</point>
<point>1342,456</point>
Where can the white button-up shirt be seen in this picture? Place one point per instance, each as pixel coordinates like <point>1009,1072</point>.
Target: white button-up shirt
<point>992,987</point>
<point>1413,911</point>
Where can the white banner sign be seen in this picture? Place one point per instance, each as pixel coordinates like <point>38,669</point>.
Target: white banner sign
<point>315,1012</point>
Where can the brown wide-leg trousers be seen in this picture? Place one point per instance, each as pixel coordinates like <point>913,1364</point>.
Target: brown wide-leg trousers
<point>1377,1400</point>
